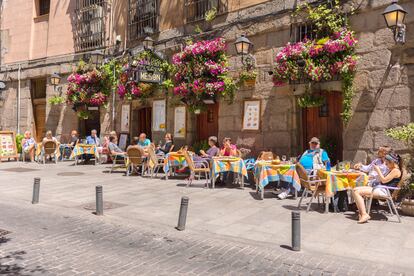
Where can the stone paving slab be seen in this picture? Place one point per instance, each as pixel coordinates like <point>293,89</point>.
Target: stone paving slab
<point>229,213</point>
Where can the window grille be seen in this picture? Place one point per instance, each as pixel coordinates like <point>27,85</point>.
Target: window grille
<point>196,9</point>
<point>142,18</point>
<point>302,31</point>
<point>90,24</point>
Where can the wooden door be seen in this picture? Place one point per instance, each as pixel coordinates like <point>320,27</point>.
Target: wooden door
<point>207,122</point>
<point>38,94</point>
<point>142,122</point>
<point>325,123</point>
<point>93,122</point>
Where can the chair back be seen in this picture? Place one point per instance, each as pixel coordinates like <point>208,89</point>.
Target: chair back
<point>303,176</point>
<point>152,155</point>
<point>404,178</point>
<point>266,155</point>
<point>49,147</point>
<point>135,155</point>
<point>189,160</point>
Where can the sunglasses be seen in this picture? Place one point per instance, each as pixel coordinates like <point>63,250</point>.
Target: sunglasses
<point>314,143</point>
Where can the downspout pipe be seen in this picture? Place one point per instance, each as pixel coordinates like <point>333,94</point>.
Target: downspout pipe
<point>18,97</point>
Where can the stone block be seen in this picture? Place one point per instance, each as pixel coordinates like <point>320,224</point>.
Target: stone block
<point>381,139</point>
<point>384,38</point>
<point>380,120</point>
<point>375,59</point>
<point>358,139</point>
<point>359,121</point>
<point>364,101</point>
<point>361,80</point>
<point>397,97</point>
<point>376,77</point>
<point>356,156</point>
<point>365,41</point>
<point>400,117</point>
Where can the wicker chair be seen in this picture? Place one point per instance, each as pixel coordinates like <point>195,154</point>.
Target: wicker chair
<point>197,167</point>
<point>157,162</point>
<point>266,156</point>
<point>49,149</point>
<point>135,160</point>
<point>310,184</point>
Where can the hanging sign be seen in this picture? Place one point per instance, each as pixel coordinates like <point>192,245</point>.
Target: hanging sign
<point>146,75</point>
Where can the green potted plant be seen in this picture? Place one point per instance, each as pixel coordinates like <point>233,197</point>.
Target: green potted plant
<point>248,77</point>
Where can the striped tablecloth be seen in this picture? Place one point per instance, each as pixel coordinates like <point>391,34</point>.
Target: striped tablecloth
<point>265,172</point>
<point>229,164</point>
<point>80,149</point>
<point>341,181</point>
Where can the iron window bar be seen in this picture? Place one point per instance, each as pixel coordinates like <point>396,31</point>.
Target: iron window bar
<point>90,24</point>
<point>196,9</point>
<point>142,18</point>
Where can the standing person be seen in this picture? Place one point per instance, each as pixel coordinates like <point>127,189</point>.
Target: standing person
<point>314,158</point>
<point>228,149</point>
<point>379,161</point>
<point>392,179</point>
<point>29,145</point>
<point>166,148</point>
<point>143,141</point>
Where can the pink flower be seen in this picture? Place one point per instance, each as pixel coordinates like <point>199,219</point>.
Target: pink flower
<point>121,91</point>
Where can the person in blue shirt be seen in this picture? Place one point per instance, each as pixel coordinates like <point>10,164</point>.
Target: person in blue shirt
<point>93,139</point>
<point>312,159</point>
<point>143,141</point>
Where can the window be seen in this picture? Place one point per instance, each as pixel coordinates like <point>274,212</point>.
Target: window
<point>90,24</point>
<point>301,32</point>
<point>196,9</point>
<point>143,18</point>
<point>38,88</point>
<point>43,7</point>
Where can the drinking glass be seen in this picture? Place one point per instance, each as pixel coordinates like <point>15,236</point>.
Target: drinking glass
<point>284,158</point>
<point>347,166</point>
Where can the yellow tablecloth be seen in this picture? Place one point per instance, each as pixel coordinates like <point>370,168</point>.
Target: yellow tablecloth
<point>80,149</point>
<point>340,181</point>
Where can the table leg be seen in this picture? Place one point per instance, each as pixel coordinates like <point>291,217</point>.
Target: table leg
<point>213,184</point>
<point>242,181</point>
<point>327,204</point>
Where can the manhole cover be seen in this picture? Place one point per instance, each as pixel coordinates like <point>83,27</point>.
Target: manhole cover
<point>4,232</point>
<point>106,205</point>
<point>18,170</point>
<point>70,173</point>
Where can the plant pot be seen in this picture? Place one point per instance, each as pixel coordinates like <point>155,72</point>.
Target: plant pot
<point>197,111</point>
<point>407,207</point>
<point>250,82</point>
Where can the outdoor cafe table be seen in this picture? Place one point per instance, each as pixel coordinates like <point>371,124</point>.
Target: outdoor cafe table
<point>81,149</point>
<point>265,172</point>
<point>228,164</point>
<point>173,159</point>
<point>340,181</point>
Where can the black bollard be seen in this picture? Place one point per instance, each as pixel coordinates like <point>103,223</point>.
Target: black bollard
<point>36,190</point>
<point>99,201</point>
<point>183,213</point>
<point>295,231</point>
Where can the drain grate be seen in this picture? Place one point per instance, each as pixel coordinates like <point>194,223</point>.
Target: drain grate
<point>18,170</point>
<point>107,205</point>
<point>70,173</point>
<point>4,232</point>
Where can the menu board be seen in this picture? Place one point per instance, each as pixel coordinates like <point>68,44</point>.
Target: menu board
<point>179,122</point>
<point>251,117</point>
<point>8,147</point>
<point>158,116</point>
<point>125,119</point>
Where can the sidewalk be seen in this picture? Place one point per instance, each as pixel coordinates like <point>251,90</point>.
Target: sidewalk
<point>231,214</point>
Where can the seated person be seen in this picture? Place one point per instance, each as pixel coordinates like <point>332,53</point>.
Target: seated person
<point>114,149</point>
<point>392,179</point>
<point>74,138</point>
<point>379,161</point>
<point>213,150</point>
<point>228,149</point>
<point>143,141</point>
<point>93,139</point>
<point>166,148</point>
<point>50,137</point>
<point>314,158</point>
<point>29,145</point>
<point>65,149</point>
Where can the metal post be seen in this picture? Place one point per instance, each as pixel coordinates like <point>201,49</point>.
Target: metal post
<point>295,230</point>
<point>36,190</point>
<point>183,213</point>
<point>99,201</point>
<point>18,97</point>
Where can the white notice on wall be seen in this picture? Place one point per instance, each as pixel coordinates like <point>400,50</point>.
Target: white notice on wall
<point>158,115</point>
<point>179,122</point>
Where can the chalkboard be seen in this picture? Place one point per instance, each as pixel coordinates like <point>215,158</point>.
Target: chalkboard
<point>8,147</point>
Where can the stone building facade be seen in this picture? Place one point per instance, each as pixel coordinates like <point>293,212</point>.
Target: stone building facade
<point>43,44</point>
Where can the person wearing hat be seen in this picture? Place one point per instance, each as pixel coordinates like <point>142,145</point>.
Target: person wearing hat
<point>392,179</point>
<point>312,159</point>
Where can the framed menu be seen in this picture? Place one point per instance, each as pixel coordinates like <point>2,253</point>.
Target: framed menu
<point>180,122</point>
<point>158,115</point>
<point>251,115</point>
<point>125,117</point>
<point>123,140</point>
<point>8,147</point>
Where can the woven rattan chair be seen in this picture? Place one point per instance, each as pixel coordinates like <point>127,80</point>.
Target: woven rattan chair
<point>311,185</point>
<point>135,159</point>
<point>49,149</point>
<point>157,162</point>
<point>197,167</point>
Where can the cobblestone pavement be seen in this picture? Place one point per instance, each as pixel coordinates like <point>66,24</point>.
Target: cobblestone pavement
<point>48,241</point>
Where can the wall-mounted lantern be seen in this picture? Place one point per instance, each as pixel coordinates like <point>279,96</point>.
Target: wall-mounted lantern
<point>55,80</point>
<point>394,16</point>
<point>148,43</point>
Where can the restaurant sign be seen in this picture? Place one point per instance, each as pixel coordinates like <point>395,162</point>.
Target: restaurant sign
<point>151,76</point>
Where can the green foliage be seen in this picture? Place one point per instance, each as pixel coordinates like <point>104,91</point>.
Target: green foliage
<point>84,114</point>
<point>348,95</point>
<point>329,144</point>
<point>201,145</point>
<point>310,100</point>
<point>197,29</point>
<point>230,88</point>
<point>211,14</point>
<point>112,70</point>
<point>168,84</point>
<point>403,133</point>
<point>247,75</point>
<point>55,100</point>
<point>19,138</point>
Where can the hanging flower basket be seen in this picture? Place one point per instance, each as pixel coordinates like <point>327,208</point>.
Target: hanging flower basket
<point>250,82</point>
<point>201,72</point>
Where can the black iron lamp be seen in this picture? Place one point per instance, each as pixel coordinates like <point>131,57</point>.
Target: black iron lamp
<point>394,16</point>
<point>96,57</point>
<point>55,80</point>
<point>243,45</point>
<point>148,43</point>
